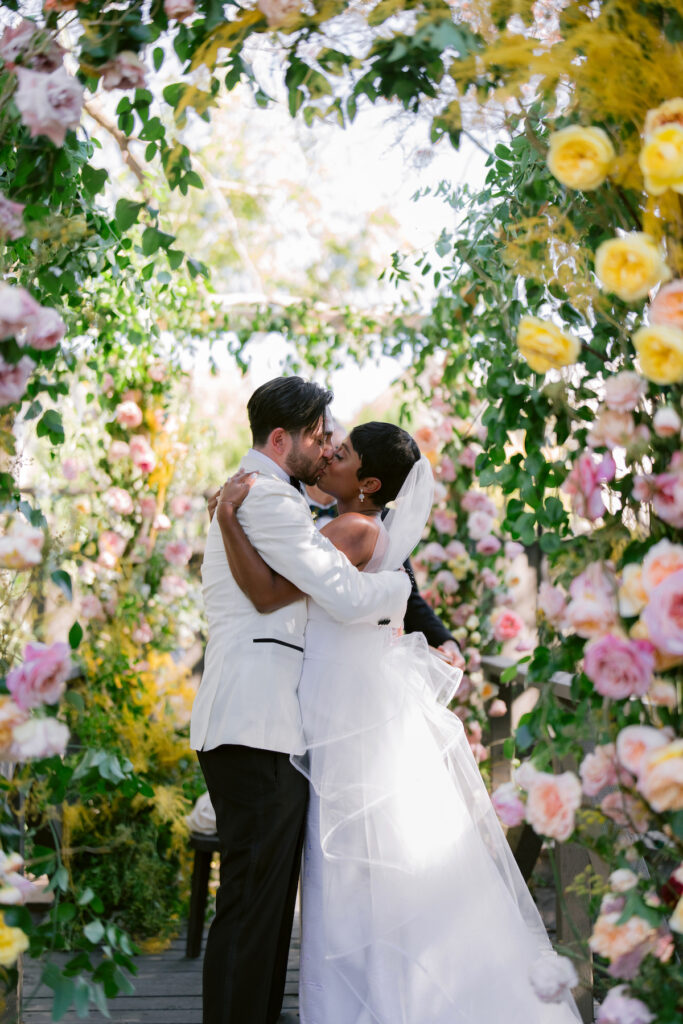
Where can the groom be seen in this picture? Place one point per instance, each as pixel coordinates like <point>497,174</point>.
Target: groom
<point>246,719</point>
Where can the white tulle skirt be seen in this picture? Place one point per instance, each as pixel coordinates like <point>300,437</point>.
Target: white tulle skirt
<point>414,911</point>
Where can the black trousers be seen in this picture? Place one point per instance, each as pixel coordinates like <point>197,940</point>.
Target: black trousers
<point>260,802</point>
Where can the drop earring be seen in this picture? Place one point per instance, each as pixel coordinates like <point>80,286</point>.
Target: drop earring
<point>361,496</point>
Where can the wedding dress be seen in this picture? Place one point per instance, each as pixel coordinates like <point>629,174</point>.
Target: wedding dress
<point>413,909</point>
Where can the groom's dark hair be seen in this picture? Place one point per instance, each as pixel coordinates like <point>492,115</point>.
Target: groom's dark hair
<point>387,452</point>
<point>291,403</point>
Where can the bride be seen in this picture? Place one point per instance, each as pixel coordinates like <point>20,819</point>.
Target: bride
<point>413,909</point>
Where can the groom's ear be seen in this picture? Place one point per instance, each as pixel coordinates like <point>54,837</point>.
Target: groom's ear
<point>279,440</point>
<point>371,484</point>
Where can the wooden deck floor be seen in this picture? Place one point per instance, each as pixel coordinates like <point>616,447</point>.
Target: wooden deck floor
<point>168,990</point>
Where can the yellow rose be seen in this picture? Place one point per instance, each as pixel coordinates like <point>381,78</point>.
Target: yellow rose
<point>660,350</point>
<point>670,112</point>
<point>661,159</point>
<point>12,942</point>
<point>580,157</point>
<point>545,346</point>
<point>630,266</point>
<point>661,777</point>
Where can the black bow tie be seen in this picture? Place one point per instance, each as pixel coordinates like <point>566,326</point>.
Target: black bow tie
<point>295,482</point>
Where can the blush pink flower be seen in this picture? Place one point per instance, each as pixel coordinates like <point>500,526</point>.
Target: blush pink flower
<point>620,1008</point>
<point>624,391</point>
<point>497,708</point>
<point>552,602</point>
<point>612,429</point>
<point>16,39</point>
<point>455,549</point>
<point>488,578</point>
<point>634,741</point>
<point>624,945</point>
<point>665,491</point>
<point>626,811</point>
<point>591,610</point>
<point>663,616</point>
<point>49,104</point>
<point>45,329</point>
<point>11,219</point>
<point>41,679</point>
<point>91,608</point>
<point>667,306</point>
<point>584,484</point>
<point>118,450</point>
<point>148,506</point>
<point>119,501</point>
<point>666,422</point>
<point>662,560</point>
<point>125,71</point>
<point>11,715</point>
<point>173,586</point>
<point>179,9</point>
<point>433,554</point>
<point>14,379</point>
<point>446,469</point>
<point>598,770</point>
<point>488,545</point>
<point>661,777</point>
<point>468,457</point>
<point>111,545</point>
<point>162,522</point>
<point>142,454</point>
<point>71,469</point>
<point>446,582</point>
<point>38,738</point>
<point>477,501</point>
<point>508,804</point>
<point>178,552</point>
<point>513,548</point>
<point>128,414</point>
<point>38,50</point>
<point>21,547</point>
<point>506,624</point>
<point>552,977</point>
<point>143,633</point>
<point>619,668</point>
<point>427,438</point>
<point>552,803</point>
<point>444,521</point>
<point>17,309</point>
<point>479,524</point>
<point>181,504</point>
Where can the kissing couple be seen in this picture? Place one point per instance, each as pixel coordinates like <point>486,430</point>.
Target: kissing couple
<point>319,727</point>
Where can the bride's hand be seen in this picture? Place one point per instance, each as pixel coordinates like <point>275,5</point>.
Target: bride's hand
<point>234,491</point>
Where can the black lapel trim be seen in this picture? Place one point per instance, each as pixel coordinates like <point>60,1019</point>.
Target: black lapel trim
<point>273,640</point>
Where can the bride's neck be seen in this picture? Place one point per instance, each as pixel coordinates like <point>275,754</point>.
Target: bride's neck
<point>366,508</point>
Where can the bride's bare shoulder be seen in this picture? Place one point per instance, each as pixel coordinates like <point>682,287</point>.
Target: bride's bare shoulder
<point>355,535</point>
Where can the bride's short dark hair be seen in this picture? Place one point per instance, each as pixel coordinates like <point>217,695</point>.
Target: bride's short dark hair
<point>292,403</point>
<point>387,452</point>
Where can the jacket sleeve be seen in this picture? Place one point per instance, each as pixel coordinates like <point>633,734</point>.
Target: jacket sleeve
<point>420,618</point>
<point>279,525</point>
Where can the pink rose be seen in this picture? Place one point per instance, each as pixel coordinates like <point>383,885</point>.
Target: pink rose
<point>599,769</point>
<point>128,414</point>
<point>39,737</point>
<point>508,804</point>
<point>173,586</point>
<point>552,803</point>
<point>433,554</point>
<point>119,501</point>
<point>488,578</point>
<point>91,608</point>
<point>125,71</point>
<point>178,552</point>
<point>506,624</point>
<point>148,506</point>
<point>584,484</point>
<point>624,391</point>
<point>45,330</point>
<point>107,383</point>
<point>477,501</point>
<point>41,679</point>
<point>71,469</point>
<point>21,547</point>
<point>181,505</point>
<point>446,581</point>
<point>552,977</point>
<point>663,616</point>
<point>661,777</point>
<point>142,634</point>
<point>619,668</point>
<point>513,548</point>
<point>592,607</point>
<point>142,454</point>
<point>17,308</point>
<point>488,545</point>
<point>446,469</point>
<point>662,560</point>
<point>497,708</point>
<point>665,491</point>
<point>111,545</point>
<point>667,306</point>
<point>626,811</point>
<point>612,429</point>
<point>118,450</point>
<point>455,549</point>
<point>13,380</point>
<point>468,457</point>
<point>11,219</point>
<point>38,50</point>
<point>15,40</point>
<point>619,1008</point>
<point>49,104</point>
<point>444,521</point>
<point>552,602</point>
<point>178,9</point>
<point>666,422</point>
<point>479,524</point>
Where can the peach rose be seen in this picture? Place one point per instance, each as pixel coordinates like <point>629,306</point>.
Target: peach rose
<point>11,715</point>
<point>635,741</point>
<point>661,777</point>
<point>552,602</point>
<point>612,429</point>
<point>663,559</point>
<point>624,391</point>
<point>277,12</point>
<point>552,803</point>
<point>626,811</point>
<point>663,617</point>
<point>125,71</point>
<point>592,608</point>
<point>599,769</point>
<point>667,305</point>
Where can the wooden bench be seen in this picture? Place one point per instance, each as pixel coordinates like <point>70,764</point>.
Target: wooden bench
<point>204,847</point>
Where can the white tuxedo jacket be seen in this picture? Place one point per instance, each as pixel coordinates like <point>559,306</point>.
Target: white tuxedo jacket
<point>253,661</point>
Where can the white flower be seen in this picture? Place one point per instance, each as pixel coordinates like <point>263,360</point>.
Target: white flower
<point>552,977</point>
<point>22,546</point>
